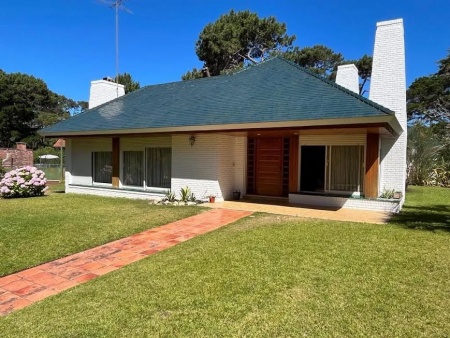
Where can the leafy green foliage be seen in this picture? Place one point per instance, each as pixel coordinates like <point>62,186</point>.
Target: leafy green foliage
<point>27,105</point>
<point>239,38</point>
<point>428,97</point>
<point>46,150</point>
<point>192,75</point>
<point>126,80</point>
<point>319,59</point>
<point>428,156</point>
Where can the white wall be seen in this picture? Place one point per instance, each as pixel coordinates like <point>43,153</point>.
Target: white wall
<point>214,165</point>
<point>347,77</point>
<point>81,157</point>
<point>103,91</point>
<point>209,167</point>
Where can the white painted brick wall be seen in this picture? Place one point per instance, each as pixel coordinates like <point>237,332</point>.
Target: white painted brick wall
<point>208,167</point>
<point>343,202</point>
<point>388,88</point>
<point>347,77</point>
<point>81,158</point>
<point>103,91</point>
<point>98,191</point>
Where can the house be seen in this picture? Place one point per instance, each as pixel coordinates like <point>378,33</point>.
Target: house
<point>274,129</point>
<point>16,158</point>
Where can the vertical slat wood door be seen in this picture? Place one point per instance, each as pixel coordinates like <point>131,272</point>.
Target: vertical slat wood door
<point>269,166</point>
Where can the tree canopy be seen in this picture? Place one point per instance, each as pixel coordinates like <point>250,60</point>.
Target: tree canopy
<point>26,105</point>
<point>238,38</point>
<point>127,80</point>
<point>319,59</point>
<point>428,97</point>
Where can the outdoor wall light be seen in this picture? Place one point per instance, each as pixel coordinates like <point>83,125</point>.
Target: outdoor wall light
<point>192,140</point>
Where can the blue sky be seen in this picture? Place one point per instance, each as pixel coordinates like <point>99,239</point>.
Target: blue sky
<point>68,43</point>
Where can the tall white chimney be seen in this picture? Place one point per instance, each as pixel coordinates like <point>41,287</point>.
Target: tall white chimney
<point>388,88</point>
<point>347,77</point>
<point>103,91</point>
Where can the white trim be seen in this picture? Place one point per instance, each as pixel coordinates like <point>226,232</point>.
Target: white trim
<point>390,119</point>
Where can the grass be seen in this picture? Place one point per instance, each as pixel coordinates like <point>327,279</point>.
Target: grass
<point>271,276</point>
<point>41,229</point>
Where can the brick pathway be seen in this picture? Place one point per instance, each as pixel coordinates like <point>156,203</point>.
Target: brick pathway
<point>29,286</point>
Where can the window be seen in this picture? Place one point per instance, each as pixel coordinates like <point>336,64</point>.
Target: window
<point>133,168</point>
<point>159,167</point>
<point>102,168</point>
<point>345,163</point>
<point>337,169</point>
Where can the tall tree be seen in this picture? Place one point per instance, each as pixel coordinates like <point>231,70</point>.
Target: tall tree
<point>428,97</point>
<point>126,80</point>
<point>239,38</point>
<point>319,59</point>
<point>26,105</point>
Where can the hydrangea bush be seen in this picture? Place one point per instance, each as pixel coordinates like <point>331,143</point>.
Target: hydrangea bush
<point>23,182</point>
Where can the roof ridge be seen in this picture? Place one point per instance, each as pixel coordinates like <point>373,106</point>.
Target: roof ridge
<point>337,86</point>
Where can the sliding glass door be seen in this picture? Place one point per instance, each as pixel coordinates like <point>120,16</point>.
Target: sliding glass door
<point>159,167</point>
<point>345,165</point>
<point>332,169</point>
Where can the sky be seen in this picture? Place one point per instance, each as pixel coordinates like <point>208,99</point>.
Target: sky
<point>68,43</point>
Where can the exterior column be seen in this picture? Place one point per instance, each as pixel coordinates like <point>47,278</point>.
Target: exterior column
<point>372,166</point>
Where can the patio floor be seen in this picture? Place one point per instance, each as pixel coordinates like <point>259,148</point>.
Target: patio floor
<point>282,207</point>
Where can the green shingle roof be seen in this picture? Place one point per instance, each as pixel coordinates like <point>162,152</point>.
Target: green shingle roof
<point>273,91</point>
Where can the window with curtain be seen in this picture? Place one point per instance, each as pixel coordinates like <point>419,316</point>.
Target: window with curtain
<point>133,168</point>
<point>345,164</point>
<point>102,166</point>
<point>159,167</point>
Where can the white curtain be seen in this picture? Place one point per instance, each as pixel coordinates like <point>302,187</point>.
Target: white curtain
<point>133,168</point>
<point>345,168</point>
<point>102,167</point>
<point>159,167</point>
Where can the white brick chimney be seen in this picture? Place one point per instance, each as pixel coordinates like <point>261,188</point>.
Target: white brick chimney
<point>347,77</point>
<point>103,91</point>
<point>388,88</point>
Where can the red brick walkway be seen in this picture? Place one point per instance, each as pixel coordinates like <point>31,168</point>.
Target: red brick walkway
<point>29,286</point>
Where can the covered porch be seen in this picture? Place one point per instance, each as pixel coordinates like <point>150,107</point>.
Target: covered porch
<point>329,166</point>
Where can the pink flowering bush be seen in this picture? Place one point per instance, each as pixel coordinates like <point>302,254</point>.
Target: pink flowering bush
<point>23,182</point>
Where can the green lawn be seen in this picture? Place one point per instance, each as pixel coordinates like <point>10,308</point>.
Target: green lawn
<point>40,229</point>
<point>271,276</point>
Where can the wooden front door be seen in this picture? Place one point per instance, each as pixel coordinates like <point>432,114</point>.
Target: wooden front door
<point>269,166</point>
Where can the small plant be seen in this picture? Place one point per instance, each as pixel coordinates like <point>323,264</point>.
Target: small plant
<point>2,171</point>
<point>187,195</point>
<point>192,197</point>
<point>23,182</point>
<point>170,196</point>
<point>388,194</point>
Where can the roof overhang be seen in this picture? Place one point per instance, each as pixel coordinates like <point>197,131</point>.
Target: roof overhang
<point>389,122</point>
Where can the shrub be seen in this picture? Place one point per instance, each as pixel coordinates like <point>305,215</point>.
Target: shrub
<point>2,171</point>
<point>23,182</point>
